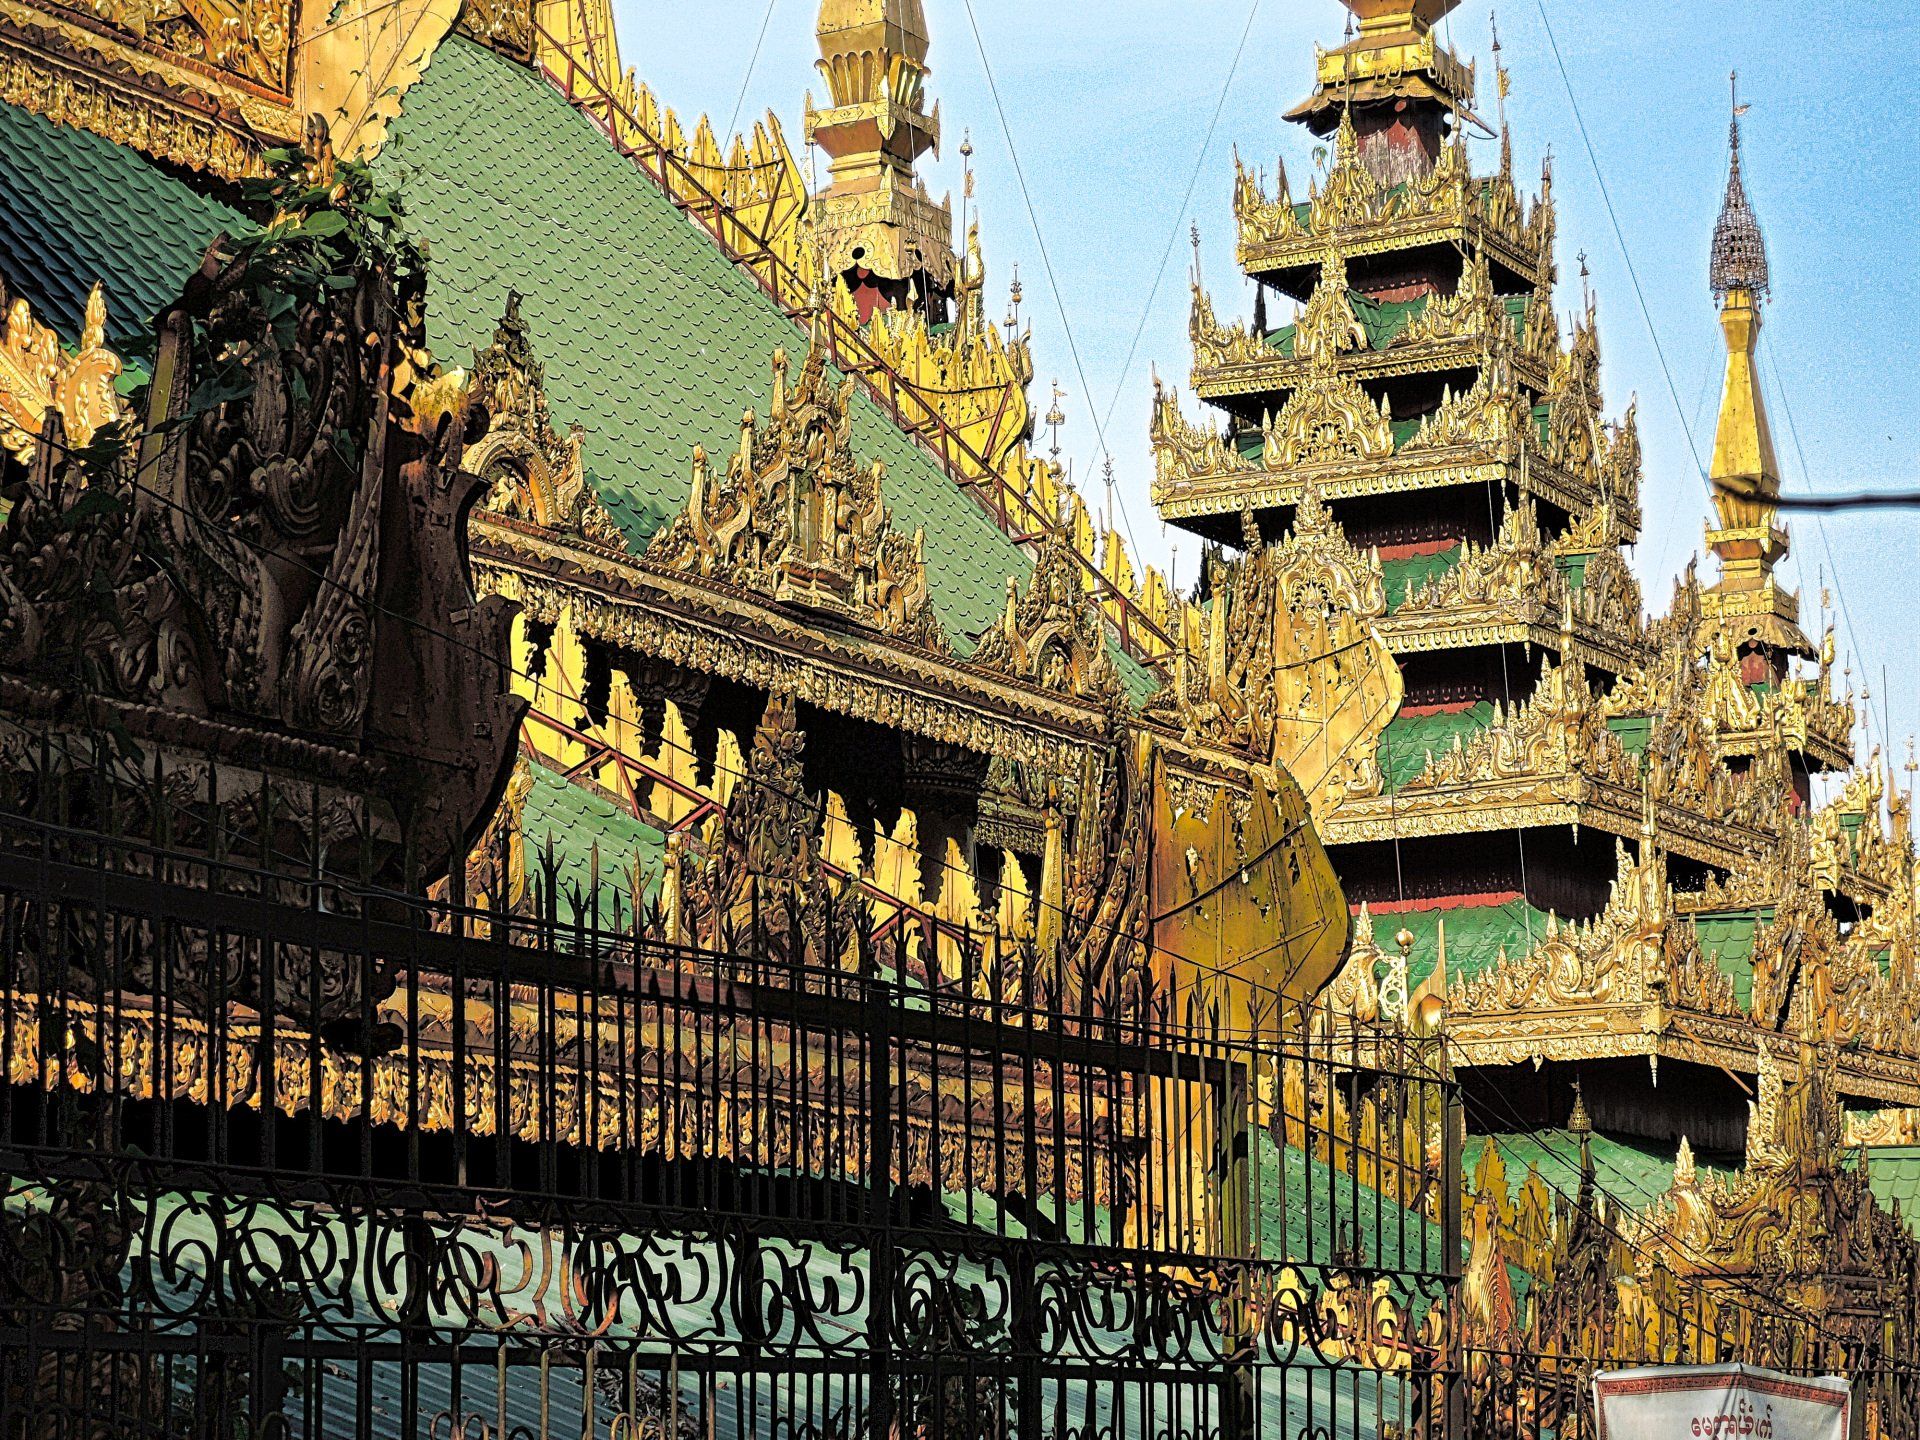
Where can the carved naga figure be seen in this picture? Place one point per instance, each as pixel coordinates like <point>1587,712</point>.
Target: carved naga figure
<point>261,562</point>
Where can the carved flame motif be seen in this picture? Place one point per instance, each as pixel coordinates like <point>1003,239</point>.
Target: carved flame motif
<point>1329,420</point>
<point>1052,634</point>
<point>1472,311</point>
<point>1294,668</point>
<point>1183,451</point>
<point>797,519</point>
<point>1629,953</point>
<point>1492,414</point>
<point>1215,344</point>
<point>1352,197</point>
<point>37,374</point>
<point>531,472</point>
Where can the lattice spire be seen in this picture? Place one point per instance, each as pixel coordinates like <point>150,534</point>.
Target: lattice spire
<point>1739,250</point>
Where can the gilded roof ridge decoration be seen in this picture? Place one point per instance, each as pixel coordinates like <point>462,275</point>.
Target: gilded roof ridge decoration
<point>1516,577</point>
<point>1184,451</point>
<point>1554,730</point>
<point>38,375</point>
<point>1215,344</point>
<point>1367,217</point>
<point>1328,420</point>
<point>1294,671</point>
<point>1631,953</point>
<point>1492,413</point>
<point>796,518</point>
<point>1473,310</point>
<point>1327,326</point>
<point>1051,634</point>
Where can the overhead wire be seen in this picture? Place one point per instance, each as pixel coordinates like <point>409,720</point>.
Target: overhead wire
<point>1186,205</point>
<point>747,79</point>
<point>1620,237</point>
<point>1046,261</point>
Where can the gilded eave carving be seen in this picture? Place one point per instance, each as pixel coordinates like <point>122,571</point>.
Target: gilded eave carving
<point>1335,440</point>
<point>708,626</point>
<point>1353,210</point>
<point>1467,330</point>
<point>118,71</point>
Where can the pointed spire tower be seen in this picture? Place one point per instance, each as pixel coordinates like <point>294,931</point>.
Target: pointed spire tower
<point>877,226</point>
<point>1746,606</point>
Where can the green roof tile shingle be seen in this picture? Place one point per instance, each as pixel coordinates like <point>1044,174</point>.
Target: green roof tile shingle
<point>573,823</point>
<point>76,209</point>
<point>1635,1171</point>
<point>1893,1175</point>
<point>652,340</point>
<point>1409,739</point>
<point>1727,938</point>
<point>1476,934</point>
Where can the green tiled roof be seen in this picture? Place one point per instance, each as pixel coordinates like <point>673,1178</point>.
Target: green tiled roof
<point>1476,934</point>
<point>1406,741</point>
<point>1408,573</point>
<point>1309,1211</point>
<point>1635,1171</point>
<point>1893,1175</point>
<point>1632,731</point>
<point>1383,320</point>
<point>78,209</point>
<point>1727,938</point>
<point>652,340</point>
<point>575,822</point>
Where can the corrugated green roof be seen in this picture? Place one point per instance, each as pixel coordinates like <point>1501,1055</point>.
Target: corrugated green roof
<point>1632,731</point>
<point>1407,740</point>
<point>1636,1171</point>
<point>1727,938</point>
<point>1408,573</point>
<point>1476,934</point>
<point>78,209</point>
<point>574,822</point>
<point>1310,1212</point>
<point>1893,1175</point>
<point>652,340</point>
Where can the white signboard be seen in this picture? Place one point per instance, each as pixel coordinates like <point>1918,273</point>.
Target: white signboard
<point>1719,1402</point>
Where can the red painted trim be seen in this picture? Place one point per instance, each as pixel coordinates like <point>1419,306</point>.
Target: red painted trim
<point>1414,548</point>
<point>1445,902</point>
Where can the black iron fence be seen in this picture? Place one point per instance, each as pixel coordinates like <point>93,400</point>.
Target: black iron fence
<point>286,1156</point>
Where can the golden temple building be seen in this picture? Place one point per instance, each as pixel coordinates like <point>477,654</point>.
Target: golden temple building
<point>591,844</point>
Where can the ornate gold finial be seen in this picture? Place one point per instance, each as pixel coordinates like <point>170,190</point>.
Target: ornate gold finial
<point>1393,59</point>
<point>1579,1122</point>
<point>1739,249</point>
<point>1747,602</point>
<point>876,221</point>
<point>798,519</point>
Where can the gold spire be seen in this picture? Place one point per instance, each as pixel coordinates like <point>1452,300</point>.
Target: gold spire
<point>1394,57</point>
<point>1746,603</point>
<point>875,218</point>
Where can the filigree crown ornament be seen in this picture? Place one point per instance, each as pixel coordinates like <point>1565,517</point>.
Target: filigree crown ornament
<point>797,519</point>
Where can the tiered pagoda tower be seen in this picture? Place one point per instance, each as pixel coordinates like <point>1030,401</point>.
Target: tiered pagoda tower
<point>1580,834</point>
<point>1425,400</point>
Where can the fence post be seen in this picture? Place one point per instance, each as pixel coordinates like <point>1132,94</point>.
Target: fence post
<point>1233,1139</point>
<point>1452,1142</point>
<point>880,1143</point>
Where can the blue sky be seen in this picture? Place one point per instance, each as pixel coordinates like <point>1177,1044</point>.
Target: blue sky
<point>1108,105</point>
